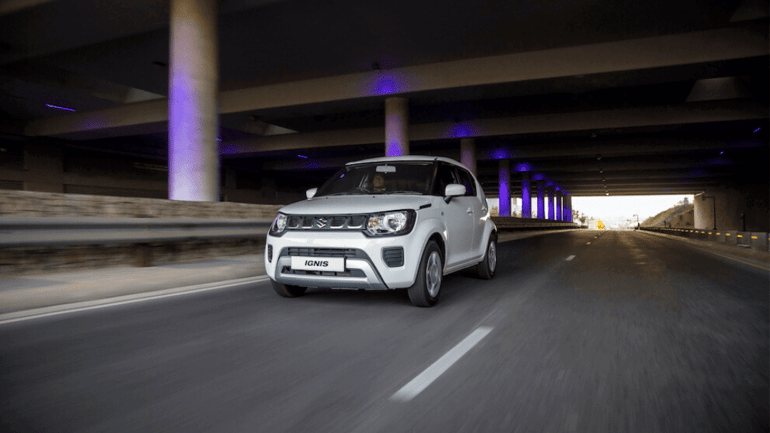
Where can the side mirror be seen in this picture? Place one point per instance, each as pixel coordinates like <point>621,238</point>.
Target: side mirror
<point>453,190</point>
<point>311,192</point>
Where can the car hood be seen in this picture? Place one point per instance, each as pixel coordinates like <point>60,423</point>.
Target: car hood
<point>356,204</point>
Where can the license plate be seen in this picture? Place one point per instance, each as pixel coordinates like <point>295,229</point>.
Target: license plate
<point>327,264</point>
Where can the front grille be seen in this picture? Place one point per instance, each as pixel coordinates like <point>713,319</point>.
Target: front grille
<point>393,257</point>
<point>320,222</point>
<point>322,252</point>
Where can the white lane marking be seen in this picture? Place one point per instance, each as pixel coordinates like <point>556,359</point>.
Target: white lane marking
<point>570,258</point>
<point>419,383</point>
<point>57,310</point>
<point>588,243</point>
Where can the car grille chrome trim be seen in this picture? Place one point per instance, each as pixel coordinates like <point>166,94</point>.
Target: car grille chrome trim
<point>326,222</point>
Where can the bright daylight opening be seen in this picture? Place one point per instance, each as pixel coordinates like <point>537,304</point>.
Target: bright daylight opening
<point>621,212</point>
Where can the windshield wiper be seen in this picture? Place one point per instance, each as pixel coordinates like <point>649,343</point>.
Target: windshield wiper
<point>405,192</point>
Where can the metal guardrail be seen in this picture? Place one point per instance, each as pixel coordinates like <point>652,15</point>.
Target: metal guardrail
<point>29,232</point>
<point>514,223</point>
<point>756,240</point>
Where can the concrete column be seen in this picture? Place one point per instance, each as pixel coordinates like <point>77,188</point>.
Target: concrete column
<point>526,196</point>
<point>193,157</point>
<point>540,200</point>
<point>396,127</point>
<point>558,197</point>
<point>468,154</point>
<point>504,187</point>
<point>567,211</point>
<point>550,203</point>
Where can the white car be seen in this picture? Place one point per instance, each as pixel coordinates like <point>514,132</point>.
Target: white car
<point>384,223</point>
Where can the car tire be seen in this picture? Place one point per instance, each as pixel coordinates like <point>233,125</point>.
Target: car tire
<point>486,268</point>
<point>427,287</point>
<point>288,291</point>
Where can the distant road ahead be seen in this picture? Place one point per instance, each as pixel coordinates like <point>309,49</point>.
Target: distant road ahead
<point>580,331</point>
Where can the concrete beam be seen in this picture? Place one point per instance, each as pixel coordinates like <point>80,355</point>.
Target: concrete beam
<point>678,114</point>
<point>743,41</point>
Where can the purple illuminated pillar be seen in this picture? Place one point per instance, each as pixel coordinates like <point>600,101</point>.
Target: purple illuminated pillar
<point>550,202</point>
<point>468,154</point>
<point>558,197</point>
<point>396,127</point>
<point>540,200</point>
<point>526,196</point>
<point>567,213</point>
<point>504,186</point>
<point>193,156</point>
<point>193,78</point>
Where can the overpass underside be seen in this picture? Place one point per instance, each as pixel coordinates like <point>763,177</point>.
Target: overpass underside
<point>208,101</point>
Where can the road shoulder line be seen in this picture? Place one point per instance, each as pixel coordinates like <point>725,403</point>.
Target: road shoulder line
<point>37,313</point>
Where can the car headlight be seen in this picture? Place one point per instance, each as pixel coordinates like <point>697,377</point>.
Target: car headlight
<point>391,223</point>
<point>279,225</point>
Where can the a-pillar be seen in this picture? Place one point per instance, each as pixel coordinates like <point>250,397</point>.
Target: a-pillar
<point>558,197</point>
<point>396,127</point>
<point>540,200</point>
<point>193,155</point>
<point>504,187</point>
<point>468,154</point>
<point>526,196</point>
<point>550,203</point>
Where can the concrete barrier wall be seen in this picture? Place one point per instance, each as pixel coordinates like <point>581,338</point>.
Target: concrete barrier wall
<point>56,258</point>
<point>756,240</point>
<point>44,204</point>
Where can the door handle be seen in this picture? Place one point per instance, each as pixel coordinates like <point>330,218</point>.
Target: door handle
<point>470,210</point>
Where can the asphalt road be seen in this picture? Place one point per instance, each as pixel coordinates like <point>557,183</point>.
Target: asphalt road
<point>635,333</point>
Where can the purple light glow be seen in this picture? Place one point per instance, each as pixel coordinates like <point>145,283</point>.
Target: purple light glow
<point>722,152</point>
<point>386,83</point>
<point>60,108</point>
<point>538,176</point>
<point>310,164</point>
<point>504,192</point>
<point>540,201</point>
<point>558,188</point>
<point>462,130</point>
<point>526,199</point>
<point>500,154</point>
<point>523,167</point>
<point>756,130</point>
<point>550,183</point>
<point>302,156</point>
<point>219,139</point>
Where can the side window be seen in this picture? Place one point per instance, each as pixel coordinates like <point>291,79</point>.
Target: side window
<point>467,180</point>
<point>445,176</point>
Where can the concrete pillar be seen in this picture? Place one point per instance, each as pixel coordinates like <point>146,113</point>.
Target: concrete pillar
<point>558,197</point>
<point>550,203</point>
<point>526,196</point>
<point>193,156</point>
<point>396,127</point>
<point>504,187</point>
<point>540,200</point>
<point>468,154</point>
<point>567,211</point>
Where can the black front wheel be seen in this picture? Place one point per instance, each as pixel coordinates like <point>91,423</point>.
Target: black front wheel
<point>288,291</point>
<point>425,290</point>
<point>486,269</point>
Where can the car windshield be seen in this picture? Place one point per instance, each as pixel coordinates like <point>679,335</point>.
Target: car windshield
<point>381,178</point>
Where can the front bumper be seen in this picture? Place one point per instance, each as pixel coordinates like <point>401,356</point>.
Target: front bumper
<point>365,265</point>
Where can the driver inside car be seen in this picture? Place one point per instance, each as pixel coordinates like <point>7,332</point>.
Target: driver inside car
<point>378,183</point>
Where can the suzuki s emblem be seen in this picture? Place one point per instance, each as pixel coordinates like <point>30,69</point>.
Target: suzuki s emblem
<point>321,222</point>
